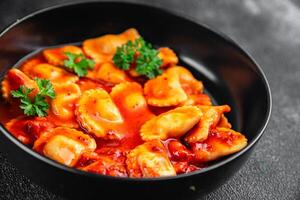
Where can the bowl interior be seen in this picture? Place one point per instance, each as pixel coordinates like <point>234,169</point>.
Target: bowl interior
<point>229,75</point>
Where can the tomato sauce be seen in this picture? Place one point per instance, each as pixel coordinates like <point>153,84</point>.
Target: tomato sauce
<point>104,121</point>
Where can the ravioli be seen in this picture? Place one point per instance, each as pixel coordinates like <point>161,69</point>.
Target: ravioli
<point>108,72</point>
<point>129,98</point>
<point>224,122</point>
<point>220,142</point>
<point>31,63</point>
<point>56,56</point>
<point>64,104</point>
<point>179,152</point>
<point>13,80</point>
<point>52,73</point>
<point>168,57</point>
<point>197,100</point>
<point>149,160</point>
<point>187,81</point>
<point>172,124</point>
<point>98,114</point>
<point>173,87</point>
<point>64,145</point>
<point>211,117</point>
<point>164,90</point>
<point>101,115</point>
<point>103,48</point>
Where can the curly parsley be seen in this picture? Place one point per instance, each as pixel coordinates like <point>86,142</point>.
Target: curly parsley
<point>140,53</point>
<point>78,63</point>
<point>38,104</point>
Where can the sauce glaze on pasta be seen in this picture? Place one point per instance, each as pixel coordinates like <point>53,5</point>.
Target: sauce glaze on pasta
<point>118,123</point>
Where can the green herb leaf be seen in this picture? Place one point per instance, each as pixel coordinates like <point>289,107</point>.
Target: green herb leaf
<point>78,63</point>
<point>142,54</point>
<point>124,56</point>
<point>38,105</point>
<point>45,87</point>
<point>148,63</point>
<point>22,92</point>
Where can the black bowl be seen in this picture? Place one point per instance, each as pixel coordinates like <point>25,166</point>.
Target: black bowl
<point>229,74</point>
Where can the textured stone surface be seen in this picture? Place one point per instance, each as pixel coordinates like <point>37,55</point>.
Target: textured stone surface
<point>270,31</point>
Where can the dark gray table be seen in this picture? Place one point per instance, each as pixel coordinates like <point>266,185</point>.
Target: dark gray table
<point>270,31</point>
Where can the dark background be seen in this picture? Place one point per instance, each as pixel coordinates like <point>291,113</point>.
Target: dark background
<point>270,31</point>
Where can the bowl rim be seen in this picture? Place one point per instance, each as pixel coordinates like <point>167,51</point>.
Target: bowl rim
<point>190,19</point>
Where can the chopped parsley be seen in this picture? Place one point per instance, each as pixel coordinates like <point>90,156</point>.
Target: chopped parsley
<point>37,106</point>
<point>140,53</point>
<point>78,63</point>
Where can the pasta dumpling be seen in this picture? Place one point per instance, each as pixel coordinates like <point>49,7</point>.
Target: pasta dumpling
<point>116,105</point>
<point>178,151</point>
<point>128,97</point>
<point>63,105</point>
<point>108,72</point>
<point>211,117</point>
<point>224,122</point>
<point>172,124</point>
<point>56,56</point>
<point>98,114</point>
<point>14,79</point>
<point>168,57</point>
<point>164,90</point>
<point>197,99</point>
<point>220,142</point>
<point>187,81</point>
<point>31,63</point>
<point>103,48</point>
<point>149,160</point>
<point>52,73</point>
<point>172,88</point>
<point>64,145</point>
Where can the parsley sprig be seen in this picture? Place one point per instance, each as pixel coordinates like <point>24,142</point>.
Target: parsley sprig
<point>78,63</point>
<point>124,55</point>
<point>140,53</point>
<point>45,87</point>
<point>38,104</point>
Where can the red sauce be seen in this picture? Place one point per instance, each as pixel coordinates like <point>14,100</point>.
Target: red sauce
<point>103,154</point>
